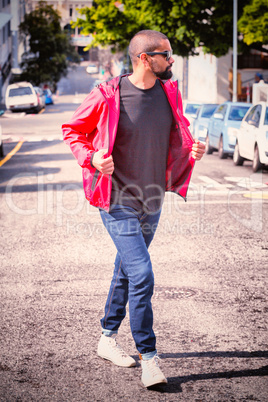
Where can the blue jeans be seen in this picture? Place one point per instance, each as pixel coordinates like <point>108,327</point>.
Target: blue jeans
<point>133,278</point>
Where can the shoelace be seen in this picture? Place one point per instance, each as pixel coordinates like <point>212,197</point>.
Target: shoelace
<point>117,348</point>
<point>153,365</point>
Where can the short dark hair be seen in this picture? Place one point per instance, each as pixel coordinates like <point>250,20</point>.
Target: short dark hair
<point>144,41</point>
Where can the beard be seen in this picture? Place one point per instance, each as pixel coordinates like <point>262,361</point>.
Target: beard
<point>163,75</point>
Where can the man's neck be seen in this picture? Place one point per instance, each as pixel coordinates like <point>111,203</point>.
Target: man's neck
<point>145,81</point>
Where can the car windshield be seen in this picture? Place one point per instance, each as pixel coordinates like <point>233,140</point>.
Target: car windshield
<point>208,111</point>
<point>266,117</point>
<point>20,91</point>
<point>192,108</point>
<point>237,112</point>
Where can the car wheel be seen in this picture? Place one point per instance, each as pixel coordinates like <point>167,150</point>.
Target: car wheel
<point>237,158</point>
<point>208,149</point>
<point>37,109</point>
<point>257,165</point>
<point>222,154</point>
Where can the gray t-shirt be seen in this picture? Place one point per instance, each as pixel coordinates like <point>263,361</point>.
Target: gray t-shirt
<point>141,147</point>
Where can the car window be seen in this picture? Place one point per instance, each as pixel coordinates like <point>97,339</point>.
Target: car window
<point>208,111</point>
<point>221,109</point>
<point>191,108</point>
<point>20,91</point>
<point>251,113</point>
<point>38,90</point>
<point>257,115</point>
<point>237,112</point>
<point>266,117</point>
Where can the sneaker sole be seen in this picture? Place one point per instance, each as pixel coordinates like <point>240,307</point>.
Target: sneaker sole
<point>151,384</point>
<point>120,365</point>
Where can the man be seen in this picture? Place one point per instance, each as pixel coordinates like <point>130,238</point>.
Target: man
<point>133,143</point>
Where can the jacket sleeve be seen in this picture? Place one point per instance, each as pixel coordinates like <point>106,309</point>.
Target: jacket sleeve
<point>79,132</point>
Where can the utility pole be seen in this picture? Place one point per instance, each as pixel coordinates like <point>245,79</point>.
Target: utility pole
<point>235,51</point>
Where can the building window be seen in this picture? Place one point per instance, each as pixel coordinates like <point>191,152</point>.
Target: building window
<point>253,60</point>
<point>70,12</point>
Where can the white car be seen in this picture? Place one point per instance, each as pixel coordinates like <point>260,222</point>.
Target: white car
<point>252,137</point>
<point>41,97</point>
<point>22,97</point>
<point>92,69</point>
<point>190,109</point>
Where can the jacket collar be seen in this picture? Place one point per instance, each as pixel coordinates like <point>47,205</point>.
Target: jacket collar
<point>110,87</point>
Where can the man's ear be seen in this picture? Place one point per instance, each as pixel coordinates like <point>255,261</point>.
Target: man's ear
<point>144,59</point>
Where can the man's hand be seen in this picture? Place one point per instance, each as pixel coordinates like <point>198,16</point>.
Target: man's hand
<point>198,150</point>
<point>104,165</point>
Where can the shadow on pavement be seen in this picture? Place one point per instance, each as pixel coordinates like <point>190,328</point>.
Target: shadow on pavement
<point>174,383</point>
<point>258,353</point>
<point>28,188</point>
<point>22,165</point>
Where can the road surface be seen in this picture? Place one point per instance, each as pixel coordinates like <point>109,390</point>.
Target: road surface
<point>210,262</point>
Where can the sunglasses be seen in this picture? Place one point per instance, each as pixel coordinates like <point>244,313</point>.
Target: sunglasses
<point>167,54</point>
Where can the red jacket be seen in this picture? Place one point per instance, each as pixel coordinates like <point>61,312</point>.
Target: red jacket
<point>94,127</point>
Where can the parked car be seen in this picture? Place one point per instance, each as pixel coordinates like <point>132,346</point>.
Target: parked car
<point>200,123</point>
<point>41,97</point>
<point>190,109</point>
<point>92,69</point>
<point>49,96</point>
<point>220,136</point>
<point>252,137</point>
<point>21,97</point>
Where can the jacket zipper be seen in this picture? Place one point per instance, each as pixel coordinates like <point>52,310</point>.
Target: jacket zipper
<point>178,110</point>
<point>97,173</point>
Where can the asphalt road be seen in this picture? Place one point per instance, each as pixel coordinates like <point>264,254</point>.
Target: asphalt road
<point>210,258</point>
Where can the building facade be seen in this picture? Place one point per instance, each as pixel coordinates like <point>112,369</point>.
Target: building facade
<point>206,78</point>
<point>5,44</point>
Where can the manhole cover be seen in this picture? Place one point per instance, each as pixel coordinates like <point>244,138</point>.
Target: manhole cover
<point>161,292</point>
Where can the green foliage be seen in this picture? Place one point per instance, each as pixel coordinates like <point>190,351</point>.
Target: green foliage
<point>187,23</point>
<point>254,22</point>
<point>50,47</point>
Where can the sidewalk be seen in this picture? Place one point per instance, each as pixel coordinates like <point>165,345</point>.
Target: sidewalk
<point>209,301</point>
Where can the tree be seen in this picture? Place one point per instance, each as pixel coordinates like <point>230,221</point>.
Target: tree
<point>254,22</point>
<point>187,23</point>
<point>50,48</point>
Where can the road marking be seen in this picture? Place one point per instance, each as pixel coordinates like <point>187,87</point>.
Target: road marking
<point>258,195</point>
<point>214,183</point>
<point>247,182</point>
<point>11,153</point>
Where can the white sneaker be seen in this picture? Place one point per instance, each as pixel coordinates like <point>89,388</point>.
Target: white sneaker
<point>109,349</point>
<point>151,373</point>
